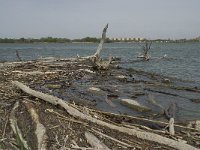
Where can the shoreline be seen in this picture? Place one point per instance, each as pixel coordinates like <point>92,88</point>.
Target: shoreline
<point>96,93</point>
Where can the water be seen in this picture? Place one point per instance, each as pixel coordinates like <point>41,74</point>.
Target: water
<point>184,62</point>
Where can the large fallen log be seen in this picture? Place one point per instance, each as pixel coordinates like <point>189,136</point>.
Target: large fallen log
<point>74,112</point>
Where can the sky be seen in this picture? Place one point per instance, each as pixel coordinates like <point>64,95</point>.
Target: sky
<point>72,19</point>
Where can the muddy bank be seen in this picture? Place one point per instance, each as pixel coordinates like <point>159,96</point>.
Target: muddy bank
<point>99,93</point>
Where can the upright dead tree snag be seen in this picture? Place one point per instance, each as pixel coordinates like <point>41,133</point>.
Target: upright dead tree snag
<point>96,60</point>
<point>100,46</point>
<point>145,56</point>
<point>17,54</point>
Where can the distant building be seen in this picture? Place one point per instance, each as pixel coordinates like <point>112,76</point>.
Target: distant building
<point>127,39</point>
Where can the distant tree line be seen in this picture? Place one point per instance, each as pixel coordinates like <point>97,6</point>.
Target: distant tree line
<point>86,39</point>
<point>51,40</point>
<point>31,40</point>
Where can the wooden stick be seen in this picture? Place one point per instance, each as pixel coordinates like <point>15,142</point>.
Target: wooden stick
<point>95,142</point>
<point>111,138</point>
<point>142,119</point>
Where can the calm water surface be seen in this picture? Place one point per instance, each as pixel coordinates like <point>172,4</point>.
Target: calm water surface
<point>183,62</point>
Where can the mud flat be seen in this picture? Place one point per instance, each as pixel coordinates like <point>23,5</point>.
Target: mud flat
<point>81,102</point>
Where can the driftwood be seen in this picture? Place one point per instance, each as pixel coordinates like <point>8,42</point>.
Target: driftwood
<point>111,138</point>
<point>100,47</point>
<point>189,128</point>
<point>22,143</point>
<point>145,56</point>
<point>95,59</point>
<point>134,105</point>
<point>74,112</point>
<point>40,131</point>
<point>96,55</point>
<point>33,72</point>
<point>95,142</point>
<point>169,113</point>
<point>102,65</point>
<point>18,57</point>
<point>75,146</point>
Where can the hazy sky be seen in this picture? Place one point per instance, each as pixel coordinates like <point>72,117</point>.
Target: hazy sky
<point>81,18</point>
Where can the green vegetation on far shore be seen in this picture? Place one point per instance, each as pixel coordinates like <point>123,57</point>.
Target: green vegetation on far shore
<point>88,40</point>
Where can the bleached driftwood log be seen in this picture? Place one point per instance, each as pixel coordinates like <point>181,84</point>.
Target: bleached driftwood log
<point>74,112</point>
<point>13,123</point>
<point>40,131</point>
<point>95,142</point>
<point>134,105</point>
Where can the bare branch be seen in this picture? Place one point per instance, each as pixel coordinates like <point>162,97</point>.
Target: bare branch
<point>18,57</point>
<point>100,46</point>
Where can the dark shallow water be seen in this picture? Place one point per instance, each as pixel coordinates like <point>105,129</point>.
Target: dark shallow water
<point>183,58</point>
